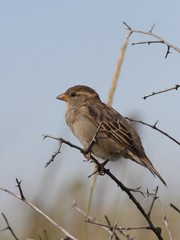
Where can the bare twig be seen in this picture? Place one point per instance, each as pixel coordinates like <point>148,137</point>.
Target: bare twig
<point>121,231</point>
<point>153,201</point>
<point>41,212</point>
<point>112,229</point>
<point>9,227</point>
<point>61,141</point>
<point>114,233</point>
<point>107,220</point>
<point>165,221</point>
<point>120,228</point>
<point>175,208</point>
<point>162,91</point>
<point>88,218</point>
<point>154,127</point>
<point>108,228</point>
<point>144,194</point>
<point>150,33</point>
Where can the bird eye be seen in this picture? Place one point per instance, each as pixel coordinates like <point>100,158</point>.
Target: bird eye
<point>73,94</point>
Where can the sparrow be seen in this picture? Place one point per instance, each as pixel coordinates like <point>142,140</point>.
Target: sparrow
<point>115,138</point>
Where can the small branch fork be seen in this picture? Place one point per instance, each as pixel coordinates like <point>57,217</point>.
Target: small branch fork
<point>156,230</point>
<point>9,227</point>
<point>22,198</point>
<point>61,141</point>
<point>154,127</point>
<point>176,87</point>
<point>150,33</point>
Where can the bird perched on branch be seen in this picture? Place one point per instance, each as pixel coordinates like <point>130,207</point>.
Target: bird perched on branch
<point>88,118</point>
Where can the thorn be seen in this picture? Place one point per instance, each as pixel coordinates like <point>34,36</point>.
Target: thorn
<point>177,86</point>
<point>127,25</point>
<point>43,137</point>
<point>154,126</point>
<point>168,48</point>
<point>152,28</point>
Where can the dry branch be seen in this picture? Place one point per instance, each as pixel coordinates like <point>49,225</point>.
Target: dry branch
<point>38,210</point>
<point>115,227</point>
<point>88,218</point>
<point>153,201</point>
<point>154,127</point>
<point>108,228</point>
<point>119,228</point>
<point>150,33</point>
<point>162,91</point>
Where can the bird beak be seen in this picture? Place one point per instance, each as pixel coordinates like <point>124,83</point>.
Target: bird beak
<point>63,97</point>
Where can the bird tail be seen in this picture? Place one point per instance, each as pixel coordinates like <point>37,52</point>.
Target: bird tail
<point>147,163</point>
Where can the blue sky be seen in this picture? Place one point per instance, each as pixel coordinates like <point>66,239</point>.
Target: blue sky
<point>48,46</point>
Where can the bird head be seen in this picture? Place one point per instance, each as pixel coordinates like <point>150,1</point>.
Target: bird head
<point>77,95</point>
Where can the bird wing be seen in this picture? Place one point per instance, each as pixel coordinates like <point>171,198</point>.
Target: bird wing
<point>116,126</point>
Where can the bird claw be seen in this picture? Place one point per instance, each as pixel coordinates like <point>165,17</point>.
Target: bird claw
<point>87,154</point>
<point>99,169</point>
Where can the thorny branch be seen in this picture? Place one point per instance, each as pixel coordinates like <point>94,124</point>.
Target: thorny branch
<point>87,218</point>
<point>37,209</point>
<point>119,228</point>
<point>156,230</point>
<point>150,33</point>
<point>144,194</point>
<point>113,228</point>
<point>154,127</point>
<point>61,141</point>
<point>162,91</point>
<point>113,232</point>
<point>108,229</point>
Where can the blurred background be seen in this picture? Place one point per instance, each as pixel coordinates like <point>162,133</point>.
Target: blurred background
<point>49,46</point>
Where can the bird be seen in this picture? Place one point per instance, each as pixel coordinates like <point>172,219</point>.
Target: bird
<point>115,138</point>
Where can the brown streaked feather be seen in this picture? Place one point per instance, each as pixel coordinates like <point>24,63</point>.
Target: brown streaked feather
<point>116,126</point>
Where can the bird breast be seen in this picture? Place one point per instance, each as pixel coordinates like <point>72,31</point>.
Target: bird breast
<point>83,129</point>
